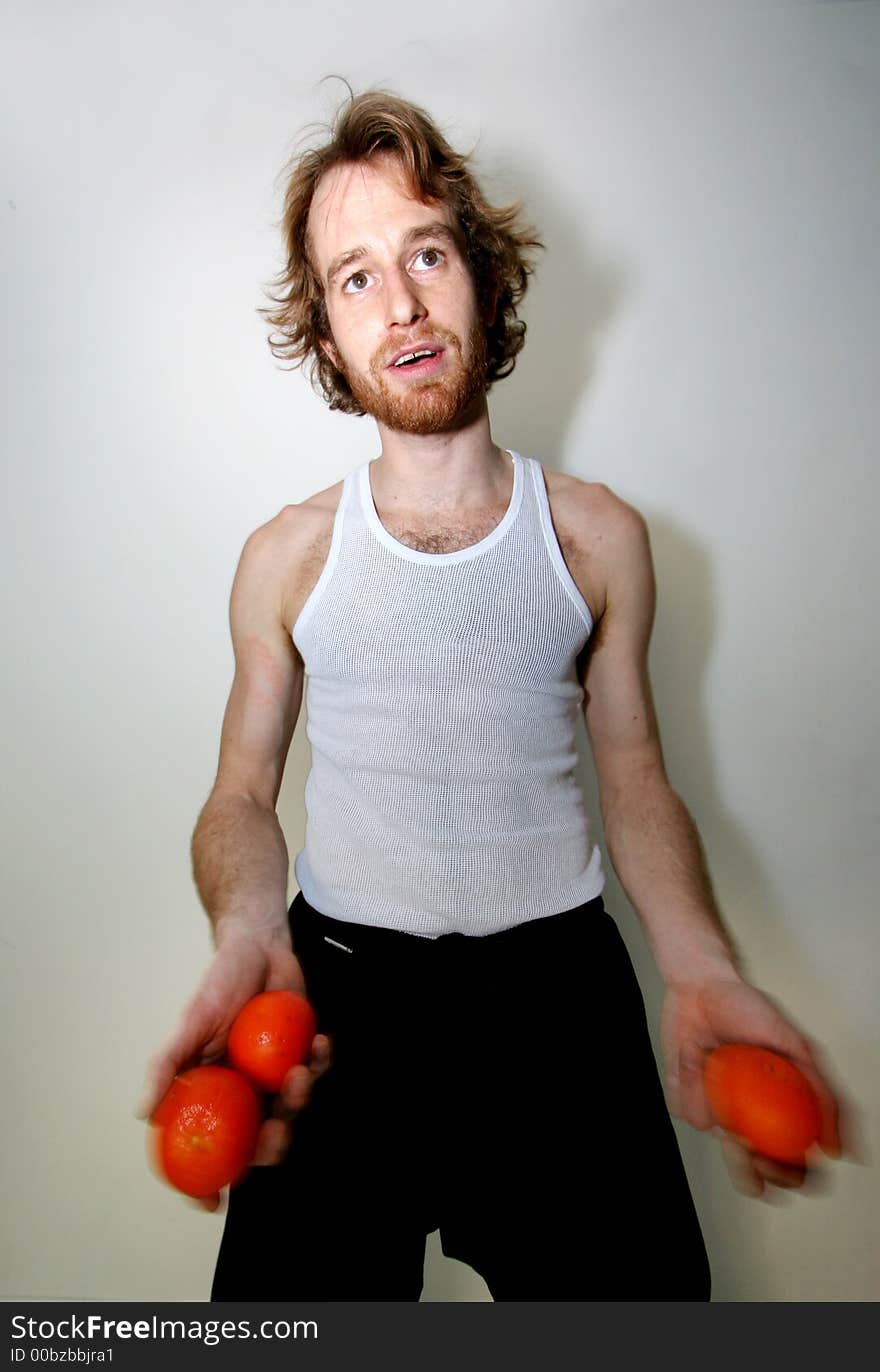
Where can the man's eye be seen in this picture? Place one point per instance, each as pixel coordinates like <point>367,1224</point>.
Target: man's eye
<point>431,252</point>
<point>355,277</point>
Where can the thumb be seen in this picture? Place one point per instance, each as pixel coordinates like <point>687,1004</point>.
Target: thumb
<point>695,1108</point>
<point>673,1091</point>
<point>160,1072</point>
<point>151,1093</point>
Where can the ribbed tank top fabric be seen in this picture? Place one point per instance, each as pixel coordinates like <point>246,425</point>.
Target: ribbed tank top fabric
<point>442,706</point>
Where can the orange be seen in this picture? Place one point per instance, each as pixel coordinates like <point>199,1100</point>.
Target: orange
<point>764,1098</point>
<point>205,1130</point>
<point>271,1033</point>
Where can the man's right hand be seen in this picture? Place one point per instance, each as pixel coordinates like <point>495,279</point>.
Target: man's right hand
<point>247,961</point>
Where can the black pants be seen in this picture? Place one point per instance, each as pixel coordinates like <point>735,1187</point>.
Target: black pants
<point>502,1089</point>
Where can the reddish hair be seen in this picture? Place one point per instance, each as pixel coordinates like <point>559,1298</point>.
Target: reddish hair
<point>498,245</point>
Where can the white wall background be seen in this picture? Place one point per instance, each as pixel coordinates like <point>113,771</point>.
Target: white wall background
<point>702,337</point>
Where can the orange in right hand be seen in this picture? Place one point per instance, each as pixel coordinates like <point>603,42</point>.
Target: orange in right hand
<point>270,1034</point>
<point>204,1130</point>
<point>763,1098</point>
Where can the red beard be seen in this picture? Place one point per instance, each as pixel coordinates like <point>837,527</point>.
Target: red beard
<point>431,406</point>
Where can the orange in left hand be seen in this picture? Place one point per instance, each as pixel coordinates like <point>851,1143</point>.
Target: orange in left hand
<point>765,1099</point>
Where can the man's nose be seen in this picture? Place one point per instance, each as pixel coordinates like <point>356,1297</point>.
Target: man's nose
<point>403,304</point>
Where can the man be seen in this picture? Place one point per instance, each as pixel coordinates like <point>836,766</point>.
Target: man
<point>483,1064</point>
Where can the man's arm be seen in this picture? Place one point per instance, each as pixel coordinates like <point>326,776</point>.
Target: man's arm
<point>656,851</point>
<point>239,856</point>
<point>652,841</point>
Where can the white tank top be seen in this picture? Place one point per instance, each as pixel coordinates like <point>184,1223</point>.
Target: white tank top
<point>443,702</point>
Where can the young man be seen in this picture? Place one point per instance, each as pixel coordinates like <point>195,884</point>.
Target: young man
<point>455,606</point>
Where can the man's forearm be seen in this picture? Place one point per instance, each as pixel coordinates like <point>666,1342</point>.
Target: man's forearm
<point>240,863</point>
<point>656,852</point>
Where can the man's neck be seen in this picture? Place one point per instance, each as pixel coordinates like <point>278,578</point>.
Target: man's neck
<point>446,473</point>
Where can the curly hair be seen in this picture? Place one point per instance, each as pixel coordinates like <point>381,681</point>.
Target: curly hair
<point>498,245</point>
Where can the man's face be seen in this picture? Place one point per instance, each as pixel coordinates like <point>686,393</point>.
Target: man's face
<point>398,289</point>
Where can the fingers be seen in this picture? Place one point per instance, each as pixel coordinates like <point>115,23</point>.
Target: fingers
<point>736,1159</point>
<point>276,1133</point>
<point>842,1122</point>
<point>322,1054</point>
<point>807,1059</point>
<point>778,1173</point>
<point>296,1092</point>
<point>838,1122</point>
<point>209,1203</point>
<point>752,1173</point>
<point>273,1142</point>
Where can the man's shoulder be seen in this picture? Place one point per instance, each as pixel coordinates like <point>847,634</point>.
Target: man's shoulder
<point>603,537</point>
<point>284,556</point>
<point>295,527</point>
<point>594,513</point>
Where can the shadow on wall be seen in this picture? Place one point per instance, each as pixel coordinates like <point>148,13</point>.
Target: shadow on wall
<point>750,906</point>
<point>569,307</point>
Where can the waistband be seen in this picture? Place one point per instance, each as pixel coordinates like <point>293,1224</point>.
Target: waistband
<point>354,937</point>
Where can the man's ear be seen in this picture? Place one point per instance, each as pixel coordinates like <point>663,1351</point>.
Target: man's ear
<point>490,308</point>
<point>330,351</point>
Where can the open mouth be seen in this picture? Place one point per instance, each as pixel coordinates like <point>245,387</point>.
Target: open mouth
<point>419,362</point>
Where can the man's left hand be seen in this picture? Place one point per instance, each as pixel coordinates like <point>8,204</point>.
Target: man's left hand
<point>699,1017</point>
